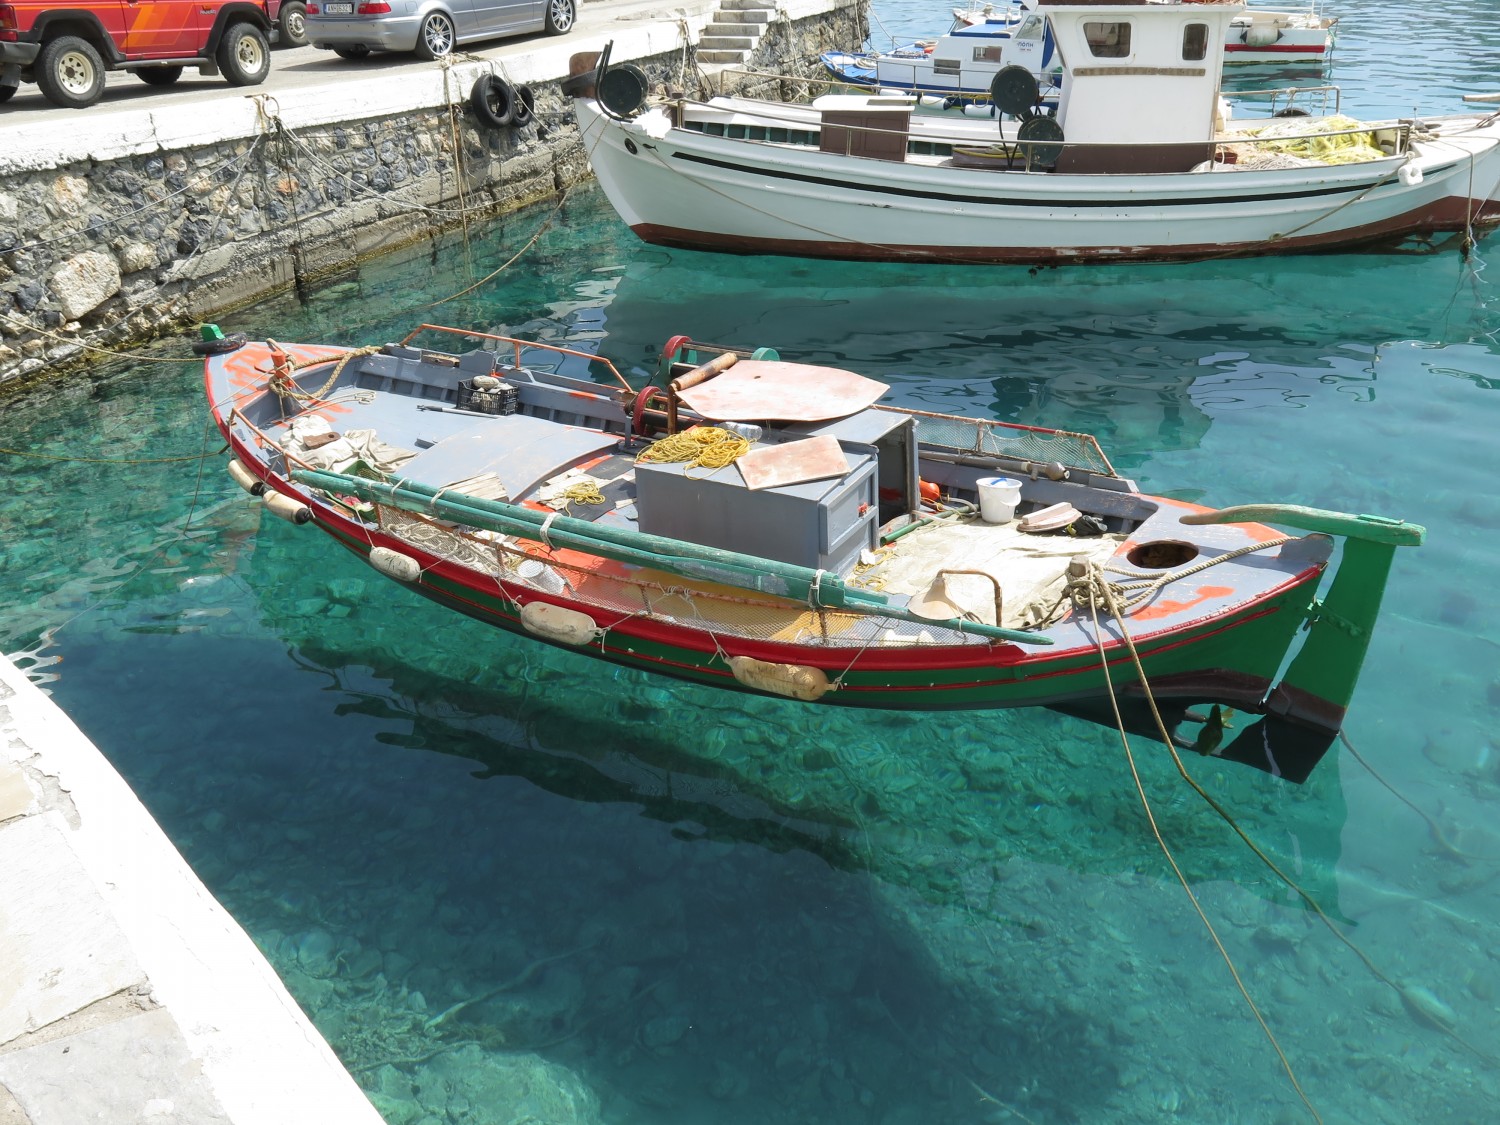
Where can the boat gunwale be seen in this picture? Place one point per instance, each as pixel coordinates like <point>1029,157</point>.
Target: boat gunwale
<point>977,652</point>
<point>330,517</point>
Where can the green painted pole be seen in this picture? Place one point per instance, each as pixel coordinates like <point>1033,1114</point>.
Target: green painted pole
<point>1375,529</point>
<point>820,589</point>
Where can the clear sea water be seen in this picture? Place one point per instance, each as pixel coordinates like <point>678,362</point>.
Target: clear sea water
<point>511,885</point>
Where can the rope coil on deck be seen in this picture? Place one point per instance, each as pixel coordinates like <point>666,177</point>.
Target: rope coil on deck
<point>281,372</point>
<point>707,446</point>
<point>1088,590</point>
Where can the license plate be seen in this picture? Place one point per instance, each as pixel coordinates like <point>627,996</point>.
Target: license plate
<point>339,9</point>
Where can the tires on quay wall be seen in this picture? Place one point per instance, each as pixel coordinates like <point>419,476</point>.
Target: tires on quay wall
<point>493,101</point>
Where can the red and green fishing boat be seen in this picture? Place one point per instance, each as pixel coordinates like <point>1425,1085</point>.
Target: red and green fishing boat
<point>766,526</point>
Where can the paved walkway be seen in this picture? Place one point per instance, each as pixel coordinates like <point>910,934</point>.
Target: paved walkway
<point>310,86</point>
<point>127,993</point>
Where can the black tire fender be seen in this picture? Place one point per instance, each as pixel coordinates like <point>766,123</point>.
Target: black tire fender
<point>525,108</point>
<point>493,101</point>
<point>234,341</point>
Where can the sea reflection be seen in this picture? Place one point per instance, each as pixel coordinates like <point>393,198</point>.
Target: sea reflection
<point>490,869</point>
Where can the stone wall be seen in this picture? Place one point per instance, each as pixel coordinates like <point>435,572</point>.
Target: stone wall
<point>141,245</point>
<point>104,251</point>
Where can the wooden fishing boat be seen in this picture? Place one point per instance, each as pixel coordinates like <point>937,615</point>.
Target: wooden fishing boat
<point>1143,160</point>
<point>814,544</point>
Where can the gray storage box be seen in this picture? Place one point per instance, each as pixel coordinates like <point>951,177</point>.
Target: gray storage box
<point>823,524</point>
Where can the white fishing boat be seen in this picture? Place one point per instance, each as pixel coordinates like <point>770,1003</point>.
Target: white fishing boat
<point>1142,160</point>
<point>959,65</point>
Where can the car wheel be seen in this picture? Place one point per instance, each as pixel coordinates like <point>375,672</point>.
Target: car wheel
<point>70,72</point>
<point>6,93</point>
<point>159,75</point>
<point>435,40</point>
<point>291,23</point>
<point>244,56</point>
<point>561,15</point>
<point>352,51</point>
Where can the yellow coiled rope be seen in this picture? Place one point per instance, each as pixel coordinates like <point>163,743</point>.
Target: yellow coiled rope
<point>584,492</point>
<point>708,446</point>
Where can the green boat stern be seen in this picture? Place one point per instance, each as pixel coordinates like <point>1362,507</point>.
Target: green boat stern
<point>1318,685</point>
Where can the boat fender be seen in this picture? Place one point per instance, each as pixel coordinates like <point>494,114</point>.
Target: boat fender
<point>1409,175</point>
<point>245,478</point>
<point>288,508</point>
<point>220,345</point>
<point>493,101</point>
<point>795,681</point>
<point>393,564</point>
<point>525,111</point>
<point>559,623</point>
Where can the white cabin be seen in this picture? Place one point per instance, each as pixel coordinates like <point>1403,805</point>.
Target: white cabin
<point>1141,85</point>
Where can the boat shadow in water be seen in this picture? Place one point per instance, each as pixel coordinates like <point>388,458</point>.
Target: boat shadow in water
<point>944,805</point>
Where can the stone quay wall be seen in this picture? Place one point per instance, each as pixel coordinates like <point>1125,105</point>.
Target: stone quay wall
<point>147,222</point>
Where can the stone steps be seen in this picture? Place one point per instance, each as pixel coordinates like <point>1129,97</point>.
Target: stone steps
<point>733,31</point>
<point>727,43</point>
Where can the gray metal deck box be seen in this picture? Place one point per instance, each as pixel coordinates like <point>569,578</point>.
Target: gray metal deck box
<point>823,523</point>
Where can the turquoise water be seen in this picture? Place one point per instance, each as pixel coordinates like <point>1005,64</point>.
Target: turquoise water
<point>504,880</point>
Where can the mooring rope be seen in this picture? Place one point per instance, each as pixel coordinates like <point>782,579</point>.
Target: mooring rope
<point>1413,997</point>
<point>281,380</point>
<point>1106,597</point>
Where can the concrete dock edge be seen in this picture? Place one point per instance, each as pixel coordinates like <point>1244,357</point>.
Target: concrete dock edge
<point>127,992</point>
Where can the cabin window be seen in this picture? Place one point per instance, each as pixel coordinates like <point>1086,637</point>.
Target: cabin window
<point>1195,42</point>
<point>1108,40</point>
<point>1031,27</point>
<point>946,66</point>
<point>986,54</point>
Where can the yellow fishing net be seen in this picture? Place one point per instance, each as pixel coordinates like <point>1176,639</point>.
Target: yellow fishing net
<point>1309,139</point>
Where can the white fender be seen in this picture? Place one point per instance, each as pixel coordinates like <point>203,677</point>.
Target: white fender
<point>245,478</point>
<point>558,623</point>
<point>795,681</point>
<point>393,564</point>
<point>289,509</point>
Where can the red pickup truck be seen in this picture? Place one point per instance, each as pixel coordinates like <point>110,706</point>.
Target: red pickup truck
<point>66,51</point>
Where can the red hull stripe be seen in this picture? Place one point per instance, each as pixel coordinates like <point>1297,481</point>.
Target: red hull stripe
<point>1294,49</point>
<point>491,608</point>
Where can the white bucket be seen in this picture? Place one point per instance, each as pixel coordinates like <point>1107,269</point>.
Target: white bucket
<point>998,497</point>
<point>540,575</point>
